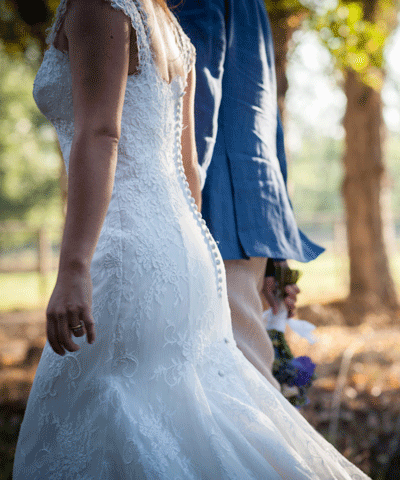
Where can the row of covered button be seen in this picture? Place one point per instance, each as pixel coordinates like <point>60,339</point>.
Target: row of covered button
<point>206,232</point>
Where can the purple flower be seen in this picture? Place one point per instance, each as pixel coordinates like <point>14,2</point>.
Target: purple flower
<point>303,371</point>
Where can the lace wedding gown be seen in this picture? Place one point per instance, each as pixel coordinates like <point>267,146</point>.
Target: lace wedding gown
<point>164,393</point>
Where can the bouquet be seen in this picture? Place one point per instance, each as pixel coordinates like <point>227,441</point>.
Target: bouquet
<point>295,375</point>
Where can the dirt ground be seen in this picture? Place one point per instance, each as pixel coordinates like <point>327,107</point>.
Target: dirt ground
<point>354,403</point>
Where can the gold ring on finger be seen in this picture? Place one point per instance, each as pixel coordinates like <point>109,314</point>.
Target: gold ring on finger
<point>77,327</point>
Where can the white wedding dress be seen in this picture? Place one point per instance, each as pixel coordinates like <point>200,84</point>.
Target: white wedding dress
<point>164,393</point>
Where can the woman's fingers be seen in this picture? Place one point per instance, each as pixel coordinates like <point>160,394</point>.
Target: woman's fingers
<point>69,312</point>
<point>60,329</point>
<point>64,332</point>
<point>87,319</point>
<point>59,332</point>
<point>52,334</point>
<point>75,324</point>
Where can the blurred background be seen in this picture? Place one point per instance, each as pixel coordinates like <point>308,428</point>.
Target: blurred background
<point>338,75</point>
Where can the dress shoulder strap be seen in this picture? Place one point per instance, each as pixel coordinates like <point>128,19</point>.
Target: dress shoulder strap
<point>186,46</point>
<point>58,21</point>
<point>132,9</point>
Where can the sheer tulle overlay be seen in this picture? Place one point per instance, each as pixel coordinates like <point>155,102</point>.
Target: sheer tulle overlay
<point>163,394</point>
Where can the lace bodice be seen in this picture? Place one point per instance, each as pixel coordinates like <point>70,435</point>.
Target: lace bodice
<point>146,92</point>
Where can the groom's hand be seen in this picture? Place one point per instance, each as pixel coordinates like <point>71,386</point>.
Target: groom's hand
<point>290,299</point>
<point>291,292</point>
<point>270,292</point>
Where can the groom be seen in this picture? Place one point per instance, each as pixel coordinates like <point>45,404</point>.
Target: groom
<point>242,159</point>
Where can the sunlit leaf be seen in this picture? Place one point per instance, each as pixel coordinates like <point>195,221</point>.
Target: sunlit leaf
<point>355,12</point>
<point>372,45</point>
<point>343,12</point>
<point>344,30</point>
<point>359,61</point>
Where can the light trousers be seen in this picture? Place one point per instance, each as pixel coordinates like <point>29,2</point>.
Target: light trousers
<point>245,281</point>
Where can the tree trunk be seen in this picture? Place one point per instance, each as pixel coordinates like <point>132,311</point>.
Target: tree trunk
<point>371,284</point>
<point>281,34</point>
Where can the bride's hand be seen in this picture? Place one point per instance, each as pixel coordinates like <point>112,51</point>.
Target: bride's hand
<point>70,306</point>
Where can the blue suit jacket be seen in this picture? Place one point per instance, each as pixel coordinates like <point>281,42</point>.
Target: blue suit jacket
<point>238,132</point>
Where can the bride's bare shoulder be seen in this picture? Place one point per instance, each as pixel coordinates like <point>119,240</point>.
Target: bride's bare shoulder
<point>89,17</point>
<point>98,49</point>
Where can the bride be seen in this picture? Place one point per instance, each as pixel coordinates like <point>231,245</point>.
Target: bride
<point>141,377</point>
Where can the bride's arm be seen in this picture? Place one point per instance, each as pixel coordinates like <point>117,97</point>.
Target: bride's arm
<point>98,46</point>
<point>189,152</point>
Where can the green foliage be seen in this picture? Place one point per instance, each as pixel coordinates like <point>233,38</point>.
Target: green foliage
<point>23,24</point>
<point>29,162</point>
<point>356,36</point>
<point>288,13</point>
<point>317,171</point>
<point>290,6</point>
<point>315,176</point>
<point>29,158</point>
<point>355,32</point>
